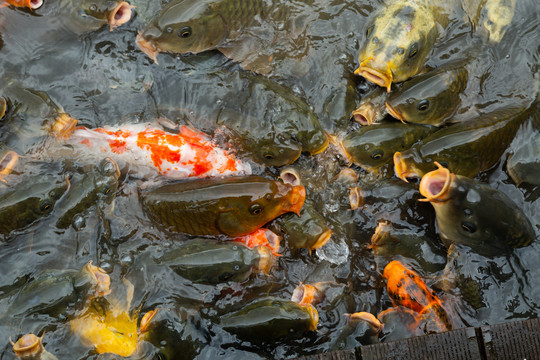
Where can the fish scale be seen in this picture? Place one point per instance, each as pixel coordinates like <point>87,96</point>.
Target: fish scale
<point>244,13</point>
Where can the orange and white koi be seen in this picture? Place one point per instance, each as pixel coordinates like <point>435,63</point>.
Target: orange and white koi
<point>31,4</point>
<point>261,237</point>
<point>187,154</point>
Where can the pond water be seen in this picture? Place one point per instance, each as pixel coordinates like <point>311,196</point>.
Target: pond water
<point>102,78</point>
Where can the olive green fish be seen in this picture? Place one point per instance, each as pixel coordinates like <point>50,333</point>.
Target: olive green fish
<point>240,29</point>
<point>270,320</point>
<point>96,187</point>
<point>430,98</point>
<point>475,214</point>
<point>466,148</point>
<point>212,262</point>
<point>371,109</point>
<point>398,40</point>
<point>29,200</point>
<point>233,206</point>
<point>373,147</point>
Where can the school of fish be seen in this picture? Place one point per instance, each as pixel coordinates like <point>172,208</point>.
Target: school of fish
<point>270,188</point>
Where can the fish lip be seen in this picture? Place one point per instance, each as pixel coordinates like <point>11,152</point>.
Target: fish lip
<point>306,294</point>
<point>296,200</point>
<point>3,107</point>
<point>22,347</point>
<point>364,115</point>
<point>356,197</point>
<point>401,169</point>
<point>377,236</point>
<point>341,149</point>
<point>273,240</point>
<point>321,148</point>
<point>313,314</point>
<point>375,76</point>
<point>441,176</point>
<point>101,279</point>
<point>147,47</point>
<point>290,176</point>
<point>12,159</point>
<point>322,239</point>
<point>35,4</point>
<point>63,126</point>
<point>146,320</point>
<point>367,317</point>
<point>393,112</point>
<point>266,259</point>
<point>123,10</point>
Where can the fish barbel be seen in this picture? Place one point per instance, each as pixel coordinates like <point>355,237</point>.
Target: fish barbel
<point>186,154</point>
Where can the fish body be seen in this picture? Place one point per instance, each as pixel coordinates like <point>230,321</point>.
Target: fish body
<point>270,319</point>
<point>466,148</point>
<point>234,206</point>
<point>523,164</point>
<point>406,288</point>
<point>430,98</point>
<point>28,201</point>
<point>372,147</point>
<point>182,155</point>
<point>175,331</point>
<point>31,4</point>
<point>213,262</point>
<point>475,214</point>
<point>398,40</point>
<point>236,28</point>
<point>97,186</point>
<point>51,292</point>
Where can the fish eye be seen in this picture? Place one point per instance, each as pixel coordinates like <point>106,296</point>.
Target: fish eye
<point>268,197</point>
<point>45,205</point>
<point>268,156</point>
<point>185,32</point>
<point>106,190</point>
<point>276,303</point>
<point>377,154</point>
<point>468,227</point>
<point>93,7</point>
<point>255,209</point>
<point>423,105</point>
<point>489,23</point>
<point>401,51</point>
<point>455,263</point>
<point>369,30</point>
<point>413,50</point>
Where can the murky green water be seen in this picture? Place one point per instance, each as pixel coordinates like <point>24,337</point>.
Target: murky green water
<point>102,78</point>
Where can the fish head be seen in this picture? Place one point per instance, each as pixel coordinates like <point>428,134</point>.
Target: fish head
<point>371,108</point>
<point>260,202</point>
<point>276,149</point>
<point>115,13</point>
<point>309,230</point>
<point>396,44</point>
<point>425,99</point>
<point>183,27</point>
<point>106,180</point>
<point>409,164</point>
<point>29,346</point>
<point>405,287</point>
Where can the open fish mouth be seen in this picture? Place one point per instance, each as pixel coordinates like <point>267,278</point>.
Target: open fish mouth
<point>378,235</point>
<point>27,346</point>
<point>367,317</point>
<point>290,176</point>
<point>322,240</point>
<point>146,320</point>
<point>147,47</point>
<point>296,200</point>
<point>63,126</point>
<point>35,4</point>
<point>321,148</point>
<point>375,76</point>
<point>393,112</point>
<point>435,185</point>
<point>7,164</point>
<point>120,15</point>
<point>364,115</point>
<point>3,107</point>
<point>306,294</point>
<point>102,281</point>
<point>401,169</point>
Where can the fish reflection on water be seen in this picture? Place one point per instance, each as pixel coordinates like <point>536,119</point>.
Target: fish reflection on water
<point>287,213</point>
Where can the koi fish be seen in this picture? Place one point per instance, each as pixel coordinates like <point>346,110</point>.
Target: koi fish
<point>31,4</point>
<point>187,154</point>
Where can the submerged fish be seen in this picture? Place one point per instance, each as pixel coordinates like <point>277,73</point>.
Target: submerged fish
<point>430,98</point>
<point>261,237</point>
<point>498,16</point>
<point>372,147</point>
<point>467,148</point>
<point>54,292</point>
<point>475,214</point>
<point>239,29</point>
<point>398,41</point>
<point>212,262</point>
<point>406,288</point>
<point>30,347</point>
<point>29,200</point>
<point>186,154</point>
<point>230,206</point>
<point>270,320</point>
<point>96,187</point>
